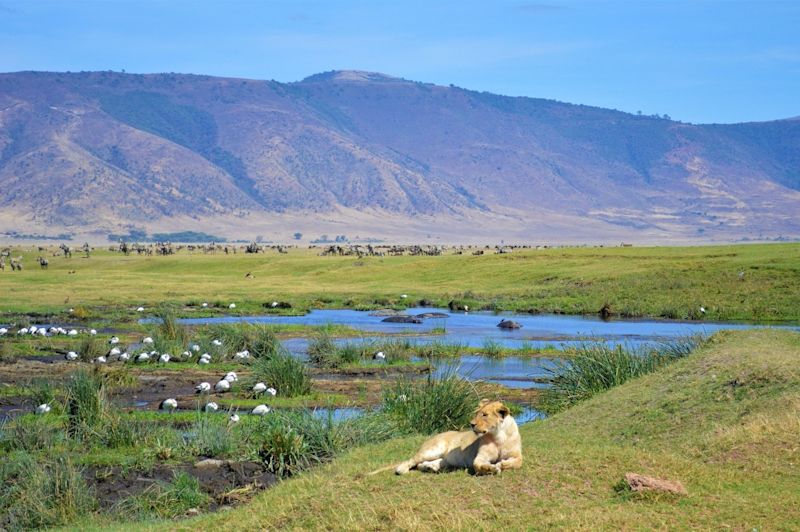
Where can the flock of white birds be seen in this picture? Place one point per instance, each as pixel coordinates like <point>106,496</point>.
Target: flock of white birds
<point>170,404</point>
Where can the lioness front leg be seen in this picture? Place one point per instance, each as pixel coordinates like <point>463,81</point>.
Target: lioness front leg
<point>482,467</point>
<point>514,462</point>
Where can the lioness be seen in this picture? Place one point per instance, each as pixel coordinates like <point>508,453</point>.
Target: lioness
<point>491,446</point>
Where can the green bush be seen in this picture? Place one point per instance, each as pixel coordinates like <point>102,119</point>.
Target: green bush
<point>86,403</point>
<point>322,350</point>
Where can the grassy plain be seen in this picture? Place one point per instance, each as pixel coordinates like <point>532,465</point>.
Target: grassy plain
<point>725,421</point>
<point>667,282</point>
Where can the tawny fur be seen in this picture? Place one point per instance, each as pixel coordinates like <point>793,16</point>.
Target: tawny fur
<point>491,446</point>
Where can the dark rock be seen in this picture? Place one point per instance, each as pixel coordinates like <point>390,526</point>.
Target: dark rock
<point>402,319</point>
<point>509,324</point>
<point>432,315</point>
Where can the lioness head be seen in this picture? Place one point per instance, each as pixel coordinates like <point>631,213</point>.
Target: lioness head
<point>489,417</point>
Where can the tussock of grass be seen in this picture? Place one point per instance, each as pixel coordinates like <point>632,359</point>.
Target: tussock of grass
<point>435,404</point>
<point>288,375</point>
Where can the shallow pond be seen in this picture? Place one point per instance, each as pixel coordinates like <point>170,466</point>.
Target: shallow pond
<point>479,329</point>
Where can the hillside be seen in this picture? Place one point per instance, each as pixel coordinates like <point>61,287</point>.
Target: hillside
<point>367,154</point>
<point>723,421</point>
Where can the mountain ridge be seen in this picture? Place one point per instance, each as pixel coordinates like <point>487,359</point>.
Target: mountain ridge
<point>104,151</point>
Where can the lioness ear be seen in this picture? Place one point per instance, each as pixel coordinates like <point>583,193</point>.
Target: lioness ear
<point>484,402</point>
<point>503,411</point>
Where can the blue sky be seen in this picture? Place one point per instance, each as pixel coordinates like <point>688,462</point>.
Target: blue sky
<point>698,61</point>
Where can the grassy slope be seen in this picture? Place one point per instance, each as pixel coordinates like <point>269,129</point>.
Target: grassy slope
<point>669,282</point>
<point>735,446</point>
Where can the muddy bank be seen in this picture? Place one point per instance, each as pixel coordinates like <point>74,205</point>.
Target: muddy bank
<point>225,481</point>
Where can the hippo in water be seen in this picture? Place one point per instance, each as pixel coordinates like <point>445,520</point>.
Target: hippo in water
<point>509,324</point>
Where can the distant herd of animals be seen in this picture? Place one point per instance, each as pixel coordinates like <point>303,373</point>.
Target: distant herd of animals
<point>340,250</point>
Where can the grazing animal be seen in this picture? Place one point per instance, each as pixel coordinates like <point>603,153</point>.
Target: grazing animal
<point>43,262</point>
<point>493,444</point>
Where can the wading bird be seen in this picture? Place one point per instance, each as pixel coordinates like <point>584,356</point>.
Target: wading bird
<point>260,410</point>
<point>168,404</point>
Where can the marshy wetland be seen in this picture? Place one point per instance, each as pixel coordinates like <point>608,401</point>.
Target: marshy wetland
<point>312,329</point>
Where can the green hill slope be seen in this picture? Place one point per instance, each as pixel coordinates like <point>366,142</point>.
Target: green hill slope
<point>725,422</point>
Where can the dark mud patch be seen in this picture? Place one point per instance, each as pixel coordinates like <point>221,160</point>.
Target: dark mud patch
<point>227,482</point>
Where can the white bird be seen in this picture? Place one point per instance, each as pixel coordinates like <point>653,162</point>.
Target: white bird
<point>195,348</point>
<point>62,330</point>
<point>42,408</point>
<point>147,340</point>
<point>272,391</point>
<point>260,387</point>
<point>702,310</point>
<point>33,329</point>
<point>206,356</point>
<point>466,308</point>
<point>153,353</point>
<point>72,332</point>
<point>53,330</point>
<point>232,305</point>
<point>23,331</point>
<point>204,305</point>
<point>100,360</point>
<point>234,418</point>
<point>403,296</point>
<point>241,355</point>
<point>164,358</point>
<point>42,332</point>
<point>168,404</point>
<point>186,354</point>
<point>211,407</point>
<point>231,376</point>
<point>144,357</point>
<point>3,331</point>
<point>222,386</point>
<point>274,304</point>
<point>114,351</point>
<point>203,387</point>
<point>379,356</point>
<point>72,355</point>
<point>114,340</point>
<point>204,361</point>
<point>92,331</point>
<point>140,309</point>
<point>260,410</point>
<point>217,342</point>
<point>124,357</point>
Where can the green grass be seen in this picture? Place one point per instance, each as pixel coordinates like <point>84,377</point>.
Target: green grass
<point>596,367</point>
<point>649,281</point>
<point>723,420</point>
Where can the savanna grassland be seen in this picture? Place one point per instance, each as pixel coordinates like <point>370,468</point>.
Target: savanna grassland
<point>741,282</point>
<point>720,414</point>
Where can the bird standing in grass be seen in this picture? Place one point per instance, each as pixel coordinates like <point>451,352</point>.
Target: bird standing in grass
<point>211,407</point>
<point>168,404</point>
<point>260,410</point>
<point>222,386</point>
<point>42,409</point>
<point>260,387</point>
<point>233,419</point>
<point>72,355</point>
<point>203,387</point>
